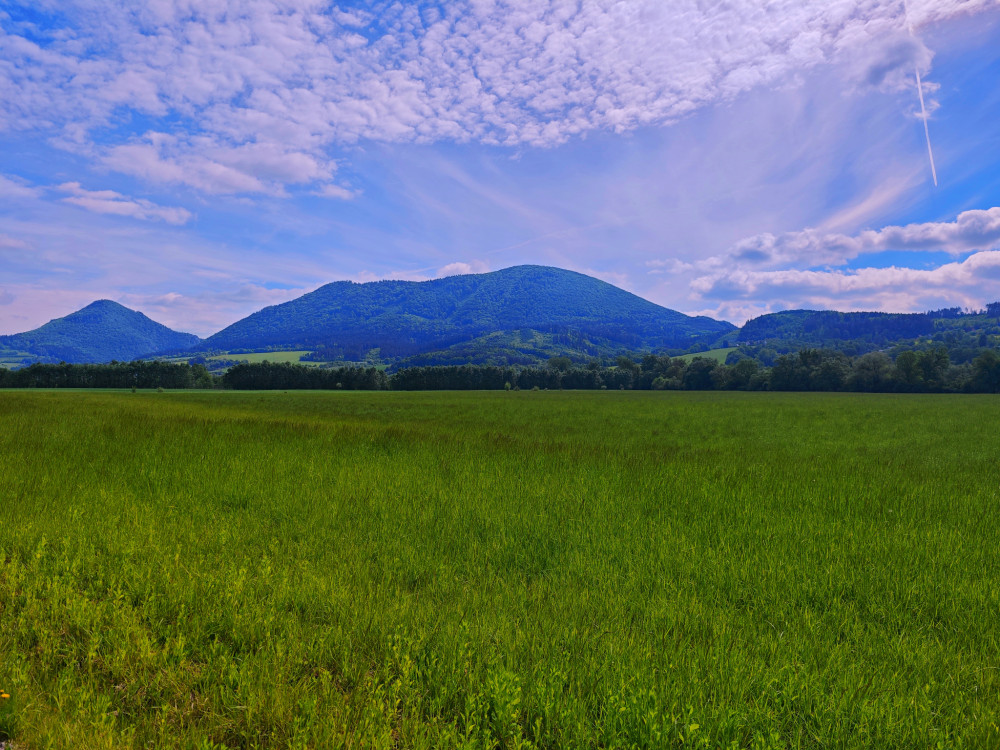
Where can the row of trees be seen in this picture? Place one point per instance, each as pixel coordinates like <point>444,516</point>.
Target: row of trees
<point>138,374</point>
<point>272,376</point>
<point>808,370</point>
<point>924,371</point>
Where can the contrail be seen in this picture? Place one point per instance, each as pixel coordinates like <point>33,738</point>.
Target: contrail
<point>927,132</point>
<point>920,93</point>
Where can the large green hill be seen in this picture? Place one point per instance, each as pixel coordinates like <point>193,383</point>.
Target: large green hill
<point>407,319</point>
<point>100,332</point>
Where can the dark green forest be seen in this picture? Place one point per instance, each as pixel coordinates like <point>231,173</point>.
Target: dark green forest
<point>137,374</point>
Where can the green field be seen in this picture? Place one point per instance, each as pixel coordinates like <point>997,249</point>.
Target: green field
<point>549,569</point>
<point>719,355</point>
<point>11,359</point>
<point>254,357</point>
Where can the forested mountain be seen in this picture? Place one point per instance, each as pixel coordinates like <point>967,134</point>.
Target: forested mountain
<point>100,332</point>
<point>965,334</point>
<point>823,327</point>
<point>406,318</point>
<point>523,316</point>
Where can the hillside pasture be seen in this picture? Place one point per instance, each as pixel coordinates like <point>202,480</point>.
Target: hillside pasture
<point>719,355</point>
<point>295,357</point>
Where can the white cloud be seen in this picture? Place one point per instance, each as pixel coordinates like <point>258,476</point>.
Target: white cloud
<point>204,164</point>
<point>12,243</point>
<point>972,230</point>
<point>364,276</point>
<point>145,159</point>
<point>14,188</point>
<point>758,275</point>
<point>460,268</point>
<point>330,190</point>
<point>110,202</point>
<point>256,94</point>
<point>971,283</point>
<point>206,312</point>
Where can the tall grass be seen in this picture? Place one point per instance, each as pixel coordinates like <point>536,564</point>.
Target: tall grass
<point>524,569</point>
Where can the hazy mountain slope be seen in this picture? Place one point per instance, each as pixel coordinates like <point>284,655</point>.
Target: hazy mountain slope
<point>405,318</point>
<point>100,332</point>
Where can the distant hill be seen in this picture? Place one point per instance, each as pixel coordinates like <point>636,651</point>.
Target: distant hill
<point>524,315</point>
<point>100,332</point>
<point>823,327</point>
<point>472,318</point>
<point>964,332</point>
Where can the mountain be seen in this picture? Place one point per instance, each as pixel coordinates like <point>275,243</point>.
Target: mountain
<point>560,311</point>
<point>100,332</point>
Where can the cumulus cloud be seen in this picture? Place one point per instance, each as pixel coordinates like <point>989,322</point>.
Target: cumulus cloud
<point>110,202</point>
<point>760,274</point>
<point>330,190</point>
<point>251,97</point>
<point>460,268</point>
<point>200,163</point>
<point>972,230</point>
<point>969,283</point>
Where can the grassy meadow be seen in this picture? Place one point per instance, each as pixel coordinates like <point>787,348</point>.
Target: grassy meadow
<point>293,357</point>
<point>517,570</point>
<point>719,355</point>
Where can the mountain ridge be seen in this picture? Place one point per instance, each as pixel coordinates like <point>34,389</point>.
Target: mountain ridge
<point>522,315</point>
<point>403,318</point>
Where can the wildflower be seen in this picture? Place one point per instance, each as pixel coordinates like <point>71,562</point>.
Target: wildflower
<point>4,695</point>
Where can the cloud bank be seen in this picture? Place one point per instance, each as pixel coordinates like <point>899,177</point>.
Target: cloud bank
<point>757,274</point>
<point>253,97</point>
<point>972,230</point>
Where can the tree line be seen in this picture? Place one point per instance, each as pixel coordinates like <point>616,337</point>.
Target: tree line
<point>277,376</point>
<point>137,374</point>
<point>926,371</point>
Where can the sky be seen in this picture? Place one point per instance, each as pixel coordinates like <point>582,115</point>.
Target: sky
<point>198,160</point>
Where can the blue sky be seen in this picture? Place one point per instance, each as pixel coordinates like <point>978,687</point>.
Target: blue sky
<point>200,159</point>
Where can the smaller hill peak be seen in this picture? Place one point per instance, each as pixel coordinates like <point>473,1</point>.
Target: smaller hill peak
<point>105,306</point>
<point>101,331</point>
